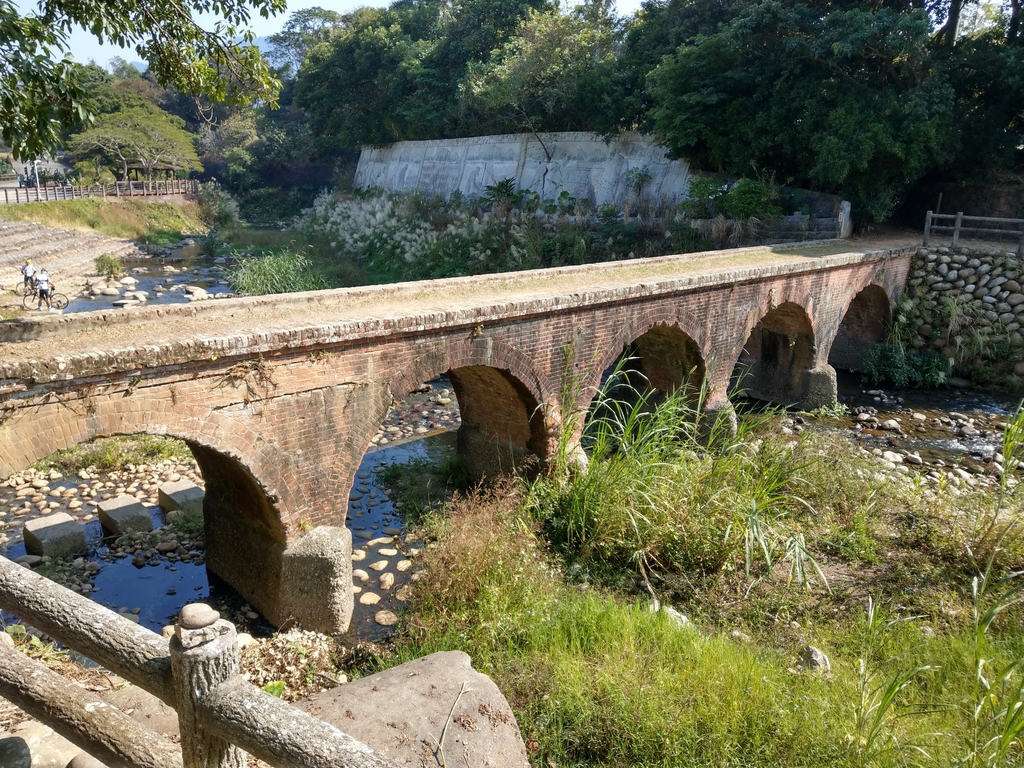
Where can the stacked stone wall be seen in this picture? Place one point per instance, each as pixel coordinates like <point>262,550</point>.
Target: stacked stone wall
<point>967,304</point>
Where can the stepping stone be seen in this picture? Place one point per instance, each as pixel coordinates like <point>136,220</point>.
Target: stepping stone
<point>386,581</point>
<point>385,618</point>
<point>380,565</point>
<point>122,514</point>
<point>363,534</point>
<point>378,541</point>
<point>392,531</point>
<point>360,574</point>
<point>54,535</point>
<point>387,552</point>
<point>182,495</point>
<point>369,598</point>
<point>357,555</point>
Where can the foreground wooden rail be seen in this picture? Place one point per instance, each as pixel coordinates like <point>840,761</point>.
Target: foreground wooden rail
<point>13,195</point>
<point>196,672</point>
<point>988,226</point>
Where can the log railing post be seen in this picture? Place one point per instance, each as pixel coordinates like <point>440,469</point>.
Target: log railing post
<point>204,654</point>
<point>956,227</point>
<point>927,228</point>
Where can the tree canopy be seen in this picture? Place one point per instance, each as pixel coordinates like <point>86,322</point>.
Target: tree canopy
<point>40,95</point>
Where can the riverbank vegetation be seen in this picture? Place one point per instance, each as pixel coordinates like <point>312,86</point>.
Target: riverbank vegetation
<point>754,549</point>
<point>157,223</point>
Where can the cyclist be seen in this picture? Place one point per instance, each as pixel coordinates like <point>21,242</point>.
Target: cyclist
<point>44,289</point>
<point>29,273</point>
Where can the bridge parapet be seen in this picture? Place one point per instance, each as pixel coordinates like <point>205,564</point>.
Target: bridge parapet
<point>279,397</point>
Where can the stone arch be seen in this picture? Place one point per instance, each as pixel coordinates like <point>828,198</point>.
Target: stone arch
<point>866,321</point>
<point>675,338</point>
<point>779,363</point>
<point>246,520</point>
<point>501,399</point>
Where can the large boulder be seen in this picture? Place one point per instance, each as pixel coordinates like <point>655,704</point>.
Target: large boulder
<point>401,711</point>
<point>56,535</point>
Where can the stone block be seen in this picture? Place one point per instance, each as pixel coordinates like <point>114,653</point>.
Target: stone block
<point>54,535</point>
<point>316,580</point>
<point>482,732</point>
<point>183,495</point>
<point>123,514</point>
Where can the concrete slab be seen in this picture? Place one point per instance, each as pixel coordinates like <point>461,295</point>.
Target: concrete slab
<point>183,495</point>
<point>56,535</point>
<point>34,745</point>
<point>483,731</point>
<point>123,514</point>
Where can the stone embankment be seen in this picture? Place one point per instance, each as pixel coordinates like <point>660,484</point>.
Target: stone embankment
<point>968,305</point>
<point>69,254</point>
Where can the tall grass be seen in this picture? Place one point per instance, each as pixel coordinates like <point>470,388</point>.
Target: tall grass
<point>598,679</point>
<point>284,271</point>
<point>664,490</point>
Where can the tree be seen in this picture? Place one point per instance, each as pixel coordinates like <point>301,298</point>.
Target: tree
<point>39,96</point>
<point>146,137</point>
<point>356,89</point>
<point>555,74</point>
<point>848,101</point>
<point>305,29</point>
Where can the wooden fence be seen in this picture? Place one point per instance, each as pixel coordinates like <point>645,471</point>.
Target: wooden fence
<point>979,226</point>
<point>12,195</point>
<point>196,672</point>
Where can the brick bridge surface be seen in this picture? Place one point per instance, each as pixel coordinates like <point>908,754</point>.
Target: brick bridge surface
<point>278,397</point>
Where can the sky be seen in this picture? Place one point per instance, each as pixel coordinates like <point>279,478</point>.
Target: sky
<point>85,48</point>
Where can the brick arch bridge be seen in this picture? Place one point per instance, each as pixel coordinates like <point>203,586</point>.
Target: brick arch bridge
<point>278,397</point>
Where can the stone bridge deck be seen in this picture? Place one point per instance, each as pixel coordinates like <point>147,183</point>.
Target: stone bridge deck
<point>278,397</point>
<point>52,348</point>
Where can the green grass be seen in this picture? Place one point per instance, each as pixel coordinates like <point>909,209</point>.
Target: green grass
<point>157,223</point>
<point>115,453</point>
<point>557,613</point>
<point>283,271</point>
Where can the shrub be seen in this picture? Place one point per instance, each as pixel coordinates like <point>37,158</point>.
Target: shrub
<point>286,271</point>
<point>109,265</point>
<point>891,363</point>
<point>217,208</point>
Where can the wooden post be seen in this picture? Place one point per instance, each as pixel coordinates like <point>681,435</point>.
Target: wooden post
<point>956,227</point>
<point>1020,246</point>
<point>927,228</point>
<point>204,654</point>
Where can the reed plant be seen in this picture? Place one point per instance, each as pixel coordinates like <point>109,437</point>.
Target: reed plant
<point>282,271</point>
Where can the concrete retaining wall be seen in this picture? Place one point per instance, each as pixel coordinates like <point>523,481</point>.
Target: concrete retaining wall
<point>582,164</point>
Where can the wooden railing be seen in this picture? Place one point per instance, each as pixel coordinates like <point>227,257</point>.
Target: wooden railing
<point>12,195</point>
<point>196,672</point>
<point>981,227</point>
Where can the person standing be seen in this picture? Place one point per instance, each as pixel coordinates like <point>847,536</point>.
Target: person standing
<point>29,273</point>
<point>44,289</point>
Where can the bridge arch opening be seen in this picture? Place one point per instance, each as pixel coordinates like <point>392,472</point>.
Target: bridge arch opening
<point>208,514</point>
<point>662,361</point>
<point>867,322</point>
<point>502,426</point>
<point>779,364</point>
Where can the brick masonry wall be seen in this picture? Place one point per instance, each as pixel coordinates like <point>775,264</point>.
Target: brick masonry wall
<point>296,411</point>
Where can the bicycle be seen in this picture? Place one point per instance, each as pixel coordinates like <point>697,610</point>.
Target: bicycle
<point>57,300</point>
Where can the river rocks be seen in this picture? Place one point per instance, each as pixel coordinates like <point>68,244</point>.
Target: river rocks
<point>980,298</point>
<point>385,618</point>
<point>197,616</point>
<point>815,660</point>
